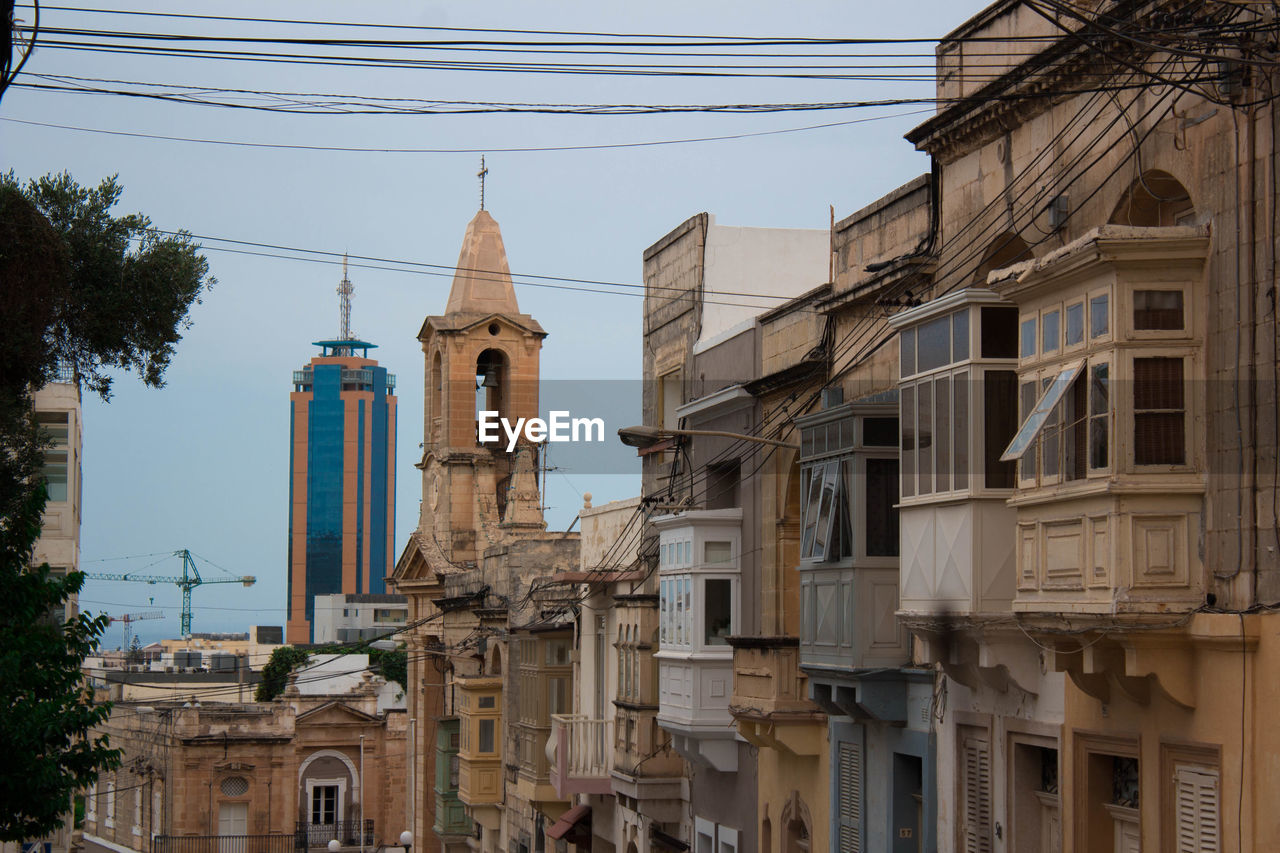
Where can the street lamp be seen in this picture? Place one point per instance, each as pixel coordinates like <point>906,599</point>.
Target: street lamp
<point>406,840</point>
<point>645,437</point>
<point>334,845</point>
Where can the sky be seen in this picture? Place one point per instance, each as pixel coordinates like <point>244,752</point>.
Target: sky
<point>203,462</point>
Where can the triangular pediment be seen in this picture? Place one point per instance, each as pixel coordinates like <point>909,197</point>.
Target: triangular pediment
<point>332,713</point>
<point>461,323</point>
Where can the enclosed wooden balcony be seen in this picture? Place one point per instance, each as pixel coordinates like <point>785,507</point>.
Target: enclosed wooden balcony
<point>480,750</point>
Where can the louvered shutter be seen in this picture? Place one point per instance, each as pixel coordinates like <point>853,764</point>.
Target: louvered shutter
<point>850,794</point>
<point>976,754</point>
<point>1196,800</point>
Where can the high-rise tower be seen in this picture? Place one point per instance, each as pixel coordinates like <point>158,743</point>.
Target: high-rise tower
<point>342,485</point>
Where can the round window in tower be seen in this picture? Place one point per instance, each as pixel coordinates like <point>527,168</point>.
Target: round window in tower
<point>234,786</point>
<point>493,328</point>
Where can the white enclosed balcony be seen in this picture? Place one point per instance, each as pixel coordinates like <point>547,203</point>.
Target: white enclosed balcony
<point>699,567</point>
<point>958,411</point>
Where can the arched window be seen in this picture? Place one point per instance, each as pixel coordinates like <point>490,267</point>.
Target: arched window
<point>491,382</point>
<point>436,392</point>
<point>1156,198</point>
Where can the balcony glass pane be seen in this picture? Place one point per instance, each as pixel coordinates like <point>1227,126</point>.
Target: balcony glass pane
<point>924,436</point>
<point>960,420</point>
<point>718,553</point>
<point>942,433</point>
<point>907,351</point>
<point>1049,329</point>
<point>1075,323</point>
<point>486,737</point>
<point>960,336</point>
<point>935,344</point>
<point>1099,318</point>
<point>1028,348</point>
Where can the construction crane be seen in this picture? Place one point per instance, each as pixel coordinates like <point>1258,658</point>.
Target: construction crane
<point>189,580</point>
<point>129,618</point>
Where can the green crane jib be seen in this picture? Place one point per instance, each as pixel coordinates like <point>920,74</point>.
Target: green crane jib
<point>190,578</point>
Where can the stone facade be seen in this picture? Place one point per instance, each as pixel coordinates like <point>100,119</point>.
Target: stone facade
<point>308,767</point>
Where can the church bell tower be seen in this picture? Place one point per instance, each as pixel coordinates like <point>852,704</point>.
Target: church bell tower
<point>481,354</point>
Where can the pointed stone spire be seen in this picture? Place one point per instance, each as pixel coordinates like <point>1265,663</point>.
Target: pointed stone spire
<point>482,281</point>
<point>524,501</point>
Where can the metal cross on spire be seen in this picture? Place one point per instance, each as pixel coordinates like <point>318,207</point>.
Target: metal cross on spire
<point>481,175</point>
<point>344,292</point>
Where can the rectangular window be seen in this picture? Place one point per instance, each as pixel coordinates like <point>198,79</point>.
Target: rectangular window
<point>1029,462</point>
<point>907,352</point>
<point>975,792</point>
<point>1196,803</point>
<point>1049,330</point>
<point>821,511</point>
<point>486,701</point>
<point>137,811</point>
<point>935,344</point>
<point>1099,415</point>
<point>960,429</point>
<point>454,764</point>
<point>1159,412</point>
<point>1157,309</point>
<point>677,616</point>
<point>324,805</point>
<point>55,472</point>
<point>960,336</point>
<point>849,797</point>
<point>486,737</point>
<point>1075,324</point>
<point>669,399</point>
<point>558,701</point>
<point>111,804</point>
<point>1000,419</point>
<point>907,409</point>
<point>557,652</point>
<point>879,513</point>
<point>91,803</point>
<point>718,611</point>
<point>1000,332</point>
<point>1028,347</point>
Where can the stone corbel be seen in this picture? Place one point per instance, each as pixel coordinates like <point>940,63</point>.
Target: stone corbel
<point>1014,663</point>
<point>1070,659</point>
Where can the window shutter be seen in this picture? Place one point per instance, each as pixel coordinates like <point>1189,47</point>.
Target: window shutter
<point>1196,800</point>
<point>850,793</point>
<point>977,796</point>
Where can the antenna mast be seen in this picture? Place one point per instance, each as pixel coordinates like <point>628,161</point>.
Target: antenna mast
<point>344,293</point>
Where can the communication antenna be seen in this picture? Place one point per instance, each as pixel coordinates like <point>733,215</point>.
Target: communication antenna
<point>344,293</point>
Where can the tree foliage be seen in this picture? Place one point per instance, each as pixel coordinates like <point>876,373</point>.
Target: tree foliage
<point>391,664</point>
<point>275,675</point>
<point>121,291</point>
<point>82,293</point>
<point>46,709</point>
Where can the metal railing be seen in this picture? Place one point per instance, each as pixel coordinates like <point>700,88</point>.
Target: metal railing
<point>583,754</point>
<point>347,832</point>
<point>275,843</point>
